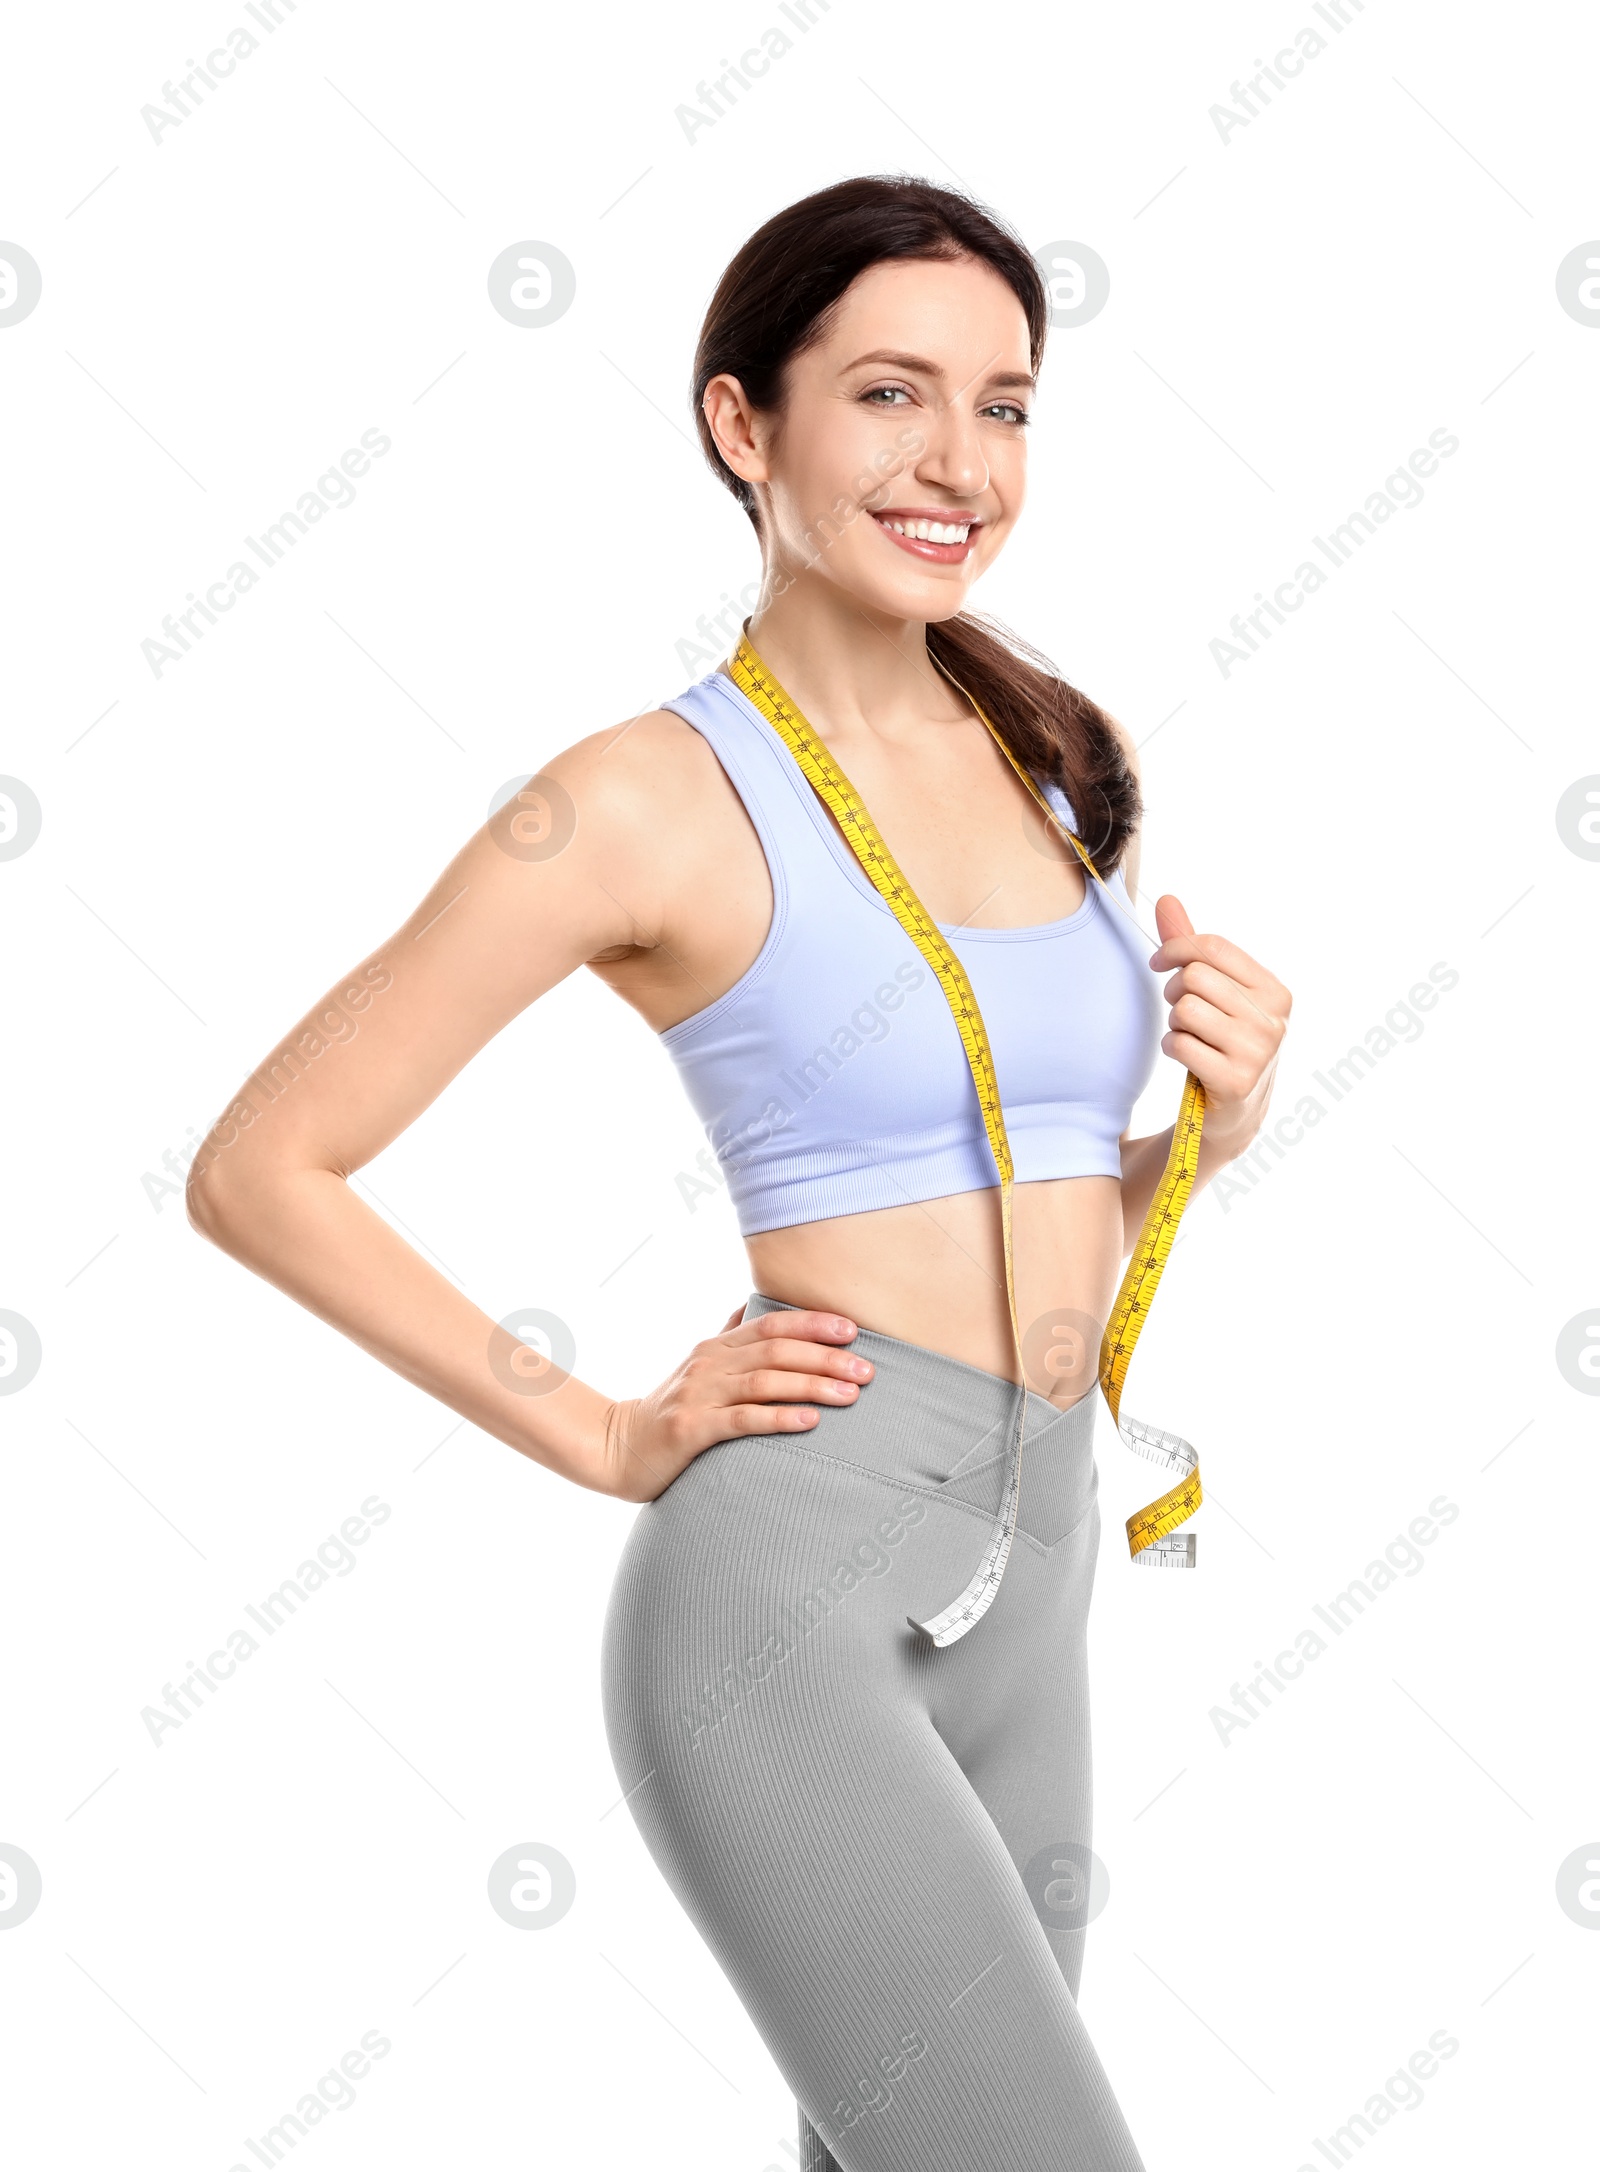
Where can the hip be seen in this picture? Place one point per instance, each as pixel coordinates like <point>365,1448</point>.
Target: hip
<point>803,1555</point>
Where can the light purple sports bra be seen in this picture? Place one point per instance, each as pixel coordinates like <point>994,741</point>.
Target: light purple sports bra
<point>831,1078</point>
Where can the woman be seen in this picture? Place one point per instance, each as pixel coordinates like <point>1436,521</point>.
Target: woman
<point>882,1835</point>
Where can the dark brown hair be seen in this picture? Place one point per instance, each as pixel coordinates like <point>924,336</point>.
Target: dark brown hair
<point>777,297</point>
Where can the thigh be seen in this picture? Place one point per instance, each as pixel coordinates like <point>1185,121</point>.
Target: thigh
<point>1015,1712</point>
<point>823,1837</point>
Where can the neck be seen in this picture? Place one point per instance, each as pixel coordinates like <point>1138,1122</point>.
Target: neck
<point>850,669</point>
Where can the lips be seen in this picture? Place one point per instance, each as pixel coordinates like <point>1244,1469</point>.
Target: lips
<point>939,535</point>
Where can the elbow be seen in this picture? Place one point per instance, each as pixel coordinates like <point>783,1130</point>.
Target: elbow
<point>239,1200</point>
<point>218,1196</point>
<point>204,1203</point>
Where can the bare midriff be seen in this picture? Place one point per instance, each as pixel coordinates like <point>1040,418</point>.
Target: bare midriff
<point>934,1273</point>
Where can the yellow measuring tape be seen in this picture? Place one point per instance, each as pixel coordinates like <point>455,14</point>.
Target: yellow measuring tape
<point>1151,1539</point>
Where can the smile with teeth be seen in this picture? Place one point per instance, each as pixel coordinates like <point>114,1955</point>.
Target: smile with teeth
<point>928,531</point>
<point>939,537</point>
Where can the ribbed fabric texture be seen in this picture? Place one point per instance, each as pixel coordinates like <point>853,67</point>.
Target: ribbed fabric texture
<point>876,1838</point>
<point>831,1078</point>
<point>815,2155</point>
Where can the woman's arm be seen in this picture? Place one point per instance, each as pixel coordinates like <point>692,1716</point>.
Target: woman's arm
<point>498,928</point>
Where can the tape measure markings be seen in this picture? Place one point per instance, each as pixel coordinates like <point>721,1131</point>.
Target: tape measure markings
<point>1150,1530</point>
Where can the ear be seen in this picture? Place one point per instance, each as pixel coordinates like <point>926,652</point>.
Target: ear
<point>736,427</point>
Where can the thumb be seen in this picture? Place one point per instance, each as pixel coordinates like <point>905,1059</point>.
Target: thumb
<point>1171,919</point>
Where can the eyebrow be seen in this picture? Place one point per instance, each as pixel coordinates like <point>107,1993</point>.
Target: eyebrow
<point>920,363</point>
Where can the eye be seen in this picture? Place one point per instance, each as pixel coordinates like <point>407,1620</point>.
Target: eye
<point>884,395</point>
<point>1009,412</point>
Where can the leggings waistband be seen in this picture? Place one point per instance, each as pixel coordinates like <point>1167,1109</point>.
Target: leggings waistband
<point>925,1416</point>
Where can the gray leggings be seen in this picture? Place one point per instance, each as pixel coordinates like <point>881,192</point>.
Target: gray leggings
<point>884,1844</point>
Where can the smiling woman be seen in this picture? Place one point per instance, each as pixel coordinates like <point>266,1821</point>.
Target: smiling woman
<point>862,392</point>
<point>850,1793</point>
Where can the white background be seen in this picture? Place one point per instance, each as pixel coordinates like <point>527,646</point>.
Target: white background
<point>1373,1325</point>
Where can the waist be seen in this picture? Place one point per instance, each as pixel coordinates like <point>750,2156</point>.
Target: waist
<point>933,1274</point>
<point>930,1419</point>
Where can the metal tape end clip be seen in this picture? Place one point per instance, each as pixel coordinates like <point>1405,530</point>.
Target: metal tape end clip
<point>1172,1552</point>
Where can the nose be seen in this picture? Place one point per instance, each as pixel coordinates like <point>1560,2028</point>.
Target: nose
<point>952,457</point>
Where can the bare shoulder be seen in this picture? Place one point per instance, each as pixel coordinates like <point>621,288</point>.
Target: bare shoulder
<point>640,788</point>
<point>621,770</point>
<point>659,833</point>
<point>657,822</point>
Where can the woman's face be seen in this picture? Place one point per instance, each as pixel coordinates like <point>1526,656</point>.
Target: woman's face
<point>911,411</point>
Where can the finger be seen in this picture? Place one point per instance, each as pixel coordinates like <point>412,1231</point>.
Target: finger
<point>733,1319</point>
<point>810,1358</point>
<point>1219,989</point>
<point>1224,1077</point>
<point>811,1326</point>
<point>1213,950</point>
<point>1171,919</point>
<point>1218,1029</point>
<point>1267,1004</point>
<point>745,1418</point>
<point>771,1384</point>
